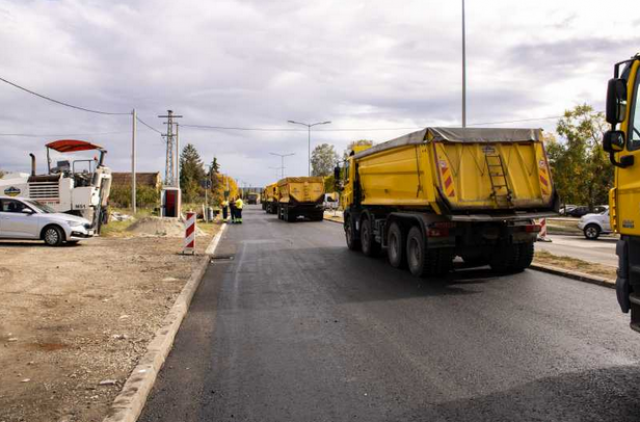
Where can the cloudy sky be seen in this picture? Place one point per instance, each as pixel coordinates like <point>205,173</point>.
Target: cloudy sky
<point>258,63</point>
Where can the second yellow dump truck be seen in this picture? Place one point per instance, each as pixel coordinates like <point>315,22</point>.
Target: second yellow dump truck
<point>270,198</point>
<point>301,197</point>
<point>439,193</point>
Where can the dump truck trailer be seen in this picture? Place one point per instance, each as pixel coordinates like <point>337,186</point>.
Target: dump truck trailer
<point>622,142</point>
<point>439,193</point>
<point>301,196</point>
<point>270,198</point>
<point>252,198</point>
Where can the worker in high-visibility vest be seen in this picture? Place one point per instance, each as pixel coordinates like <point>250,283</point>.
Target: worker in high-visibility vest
<point>239,204</point>
<point>225,209</point>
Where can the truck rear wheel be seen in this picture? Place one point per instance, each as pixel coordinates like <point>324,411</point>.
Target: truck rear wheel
<point>396,246</point>
<point>512,258</point>
<point>368,240</point>
<point>424,262</point>
<point>350,235</point>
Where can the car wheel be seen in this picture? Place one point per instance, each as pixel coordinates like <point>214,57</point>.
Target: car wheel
<point>592,231</point>
<point>53,236</point>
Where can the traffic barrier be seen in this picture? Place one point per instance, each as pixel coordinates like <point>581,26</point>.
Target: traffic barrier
<point>542,235</point>
<point>190,234</point>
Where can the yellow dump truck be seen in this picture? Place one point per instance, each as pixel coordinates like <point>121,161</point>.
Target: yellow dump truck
<point>301,196</point>
<point>623,145</point>
<point>270,198</point>
<point>439,193</point>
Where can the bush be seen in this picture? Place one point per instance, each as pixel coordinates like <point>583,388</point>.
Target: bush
<point>146,197</point>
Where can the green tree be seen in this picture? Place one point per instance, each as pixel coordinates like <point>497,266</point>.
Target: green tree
<point>354,144</point>
<point>192,174</point>
<point>323,160</point>
<point>582,174</point>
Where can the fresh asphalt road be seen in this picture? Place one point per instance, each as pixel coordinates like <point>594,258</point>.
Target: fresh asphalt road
<point>288,325</point>
<point>601,251</point>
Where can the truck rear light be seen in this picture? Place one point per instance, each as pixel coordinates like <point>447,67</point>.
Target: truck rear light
<point>434,232</point>
<point>532,228</point>
<point>443,225</point>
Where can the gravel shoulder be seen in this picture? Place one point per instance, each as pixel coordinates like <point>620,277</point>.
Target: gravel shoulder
<point>75,320</point>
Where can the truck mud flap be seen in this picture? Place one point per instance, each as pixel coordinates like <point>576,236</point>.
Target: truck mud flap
<point>623,290</point>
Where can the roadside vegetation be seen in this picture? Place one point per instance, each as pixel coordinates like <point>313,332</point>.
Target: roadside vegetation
<point>573,264</point>
<point>581,170</point>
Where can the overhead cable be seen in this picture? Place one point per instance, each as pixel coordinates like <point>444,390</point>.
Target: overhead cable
<point>44,97</point>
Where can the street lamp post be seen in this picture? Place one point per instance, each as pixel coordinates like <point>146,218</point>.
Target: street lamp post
<point>309,126</point>
<point>464,71</point>
<point>282,160</point>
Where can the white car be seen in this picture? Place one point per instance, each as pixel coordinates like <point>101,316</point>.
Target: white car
<point>593,225</point>
<point>26,219</point>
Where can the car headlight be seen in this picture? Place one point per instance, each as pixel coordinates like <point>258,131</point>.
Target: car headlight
<point>75,223</point>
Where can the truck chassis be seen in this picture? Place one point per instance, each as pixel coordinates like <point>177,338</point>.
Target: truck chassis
<point>427,243</point>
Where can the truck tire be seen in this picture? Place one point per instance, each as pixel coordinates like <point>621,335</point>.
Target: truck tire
<point>349,234</point>
<point>290,216</point>
<point>512,258</point>
<point>423,262</point>
<point>53,236</point>
<point>396,251</point>
<point>368,240</point>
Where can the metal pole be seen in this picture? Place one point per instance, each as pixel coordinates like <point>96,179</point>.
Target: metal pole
<point>177,166</point>
<point>133,162</point>
<point>309,150</point>
<point>282,166</point>
<point>464,71</point>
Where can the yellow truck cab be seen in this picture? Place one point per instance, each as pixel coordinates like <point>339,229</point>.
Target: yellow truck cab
<point>622,143</point>
<point>438,193</point>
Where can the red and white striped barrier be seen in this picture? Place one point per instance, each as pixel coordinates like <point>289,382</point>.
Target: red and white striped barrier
<point>190,234</point>
<point>542,235</point>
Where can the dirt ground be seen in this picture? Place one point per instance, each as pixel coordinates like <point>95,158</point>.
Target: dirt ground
<point>568,263</point>
<point>74,320</point>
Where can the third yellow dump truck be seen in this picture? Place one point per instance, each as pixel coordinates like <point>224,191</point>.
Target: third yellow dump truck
<point>439,193</point>
<point>301,196</point>
<point>270,198</point>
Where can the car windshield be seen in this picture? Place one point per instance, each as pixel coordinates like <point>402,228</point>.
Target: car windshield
<point>45,209</point>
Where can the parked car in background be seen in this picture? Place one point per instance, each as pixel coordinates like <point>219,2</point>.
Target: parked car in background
<point>27,219</point>
<point>564,210</point>
<point>593,225</point>
<point>578,212</point>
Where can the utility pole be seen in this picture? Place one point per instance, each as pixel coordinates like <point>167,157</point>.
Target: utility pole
<point>464,71</point>
<point>282,160</point>
<point>177,176</point>
<point>133,162</point>
<point>309,126</point>
<point>170,168</point>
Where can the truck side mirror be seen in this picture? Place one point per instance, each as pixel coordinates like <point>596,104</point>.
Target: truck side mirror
<point>616,101</point>
<point>613,141</point>
<point>336,173</point>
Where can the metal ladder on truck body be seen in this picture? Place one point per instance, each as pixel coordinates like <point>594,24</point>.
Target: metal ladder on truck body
<point>498,178</point>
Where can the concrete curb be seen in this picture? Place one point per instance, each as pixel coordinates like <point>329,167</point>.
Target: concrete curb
<point>575,275</point>
<point>129,403</point>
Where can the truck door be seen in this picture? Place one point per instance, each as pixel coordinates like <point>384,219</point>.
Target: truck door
<point>627,200</point>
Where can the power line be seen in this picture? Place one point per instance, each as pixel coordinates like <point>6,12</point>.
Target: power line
<point>359,129</point>
<point>50,135</point>
<point>147,125</point>
<point>44,97</point>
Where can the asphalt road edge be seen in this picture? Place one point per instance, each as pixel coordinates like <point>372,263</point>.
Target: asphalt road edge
<point>128,405</point>
<point>574,275</point>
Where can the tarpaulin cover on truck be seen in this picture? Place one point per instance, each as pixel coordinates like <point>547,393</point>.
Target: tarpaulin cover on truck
<point>458,135</point>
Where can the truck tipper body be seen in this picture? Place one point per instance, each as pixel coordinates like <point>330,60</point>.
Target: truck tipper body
<point>444,192</point>
<point>622,142</point>
<point>301,196</point>
<point>270,198</point>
